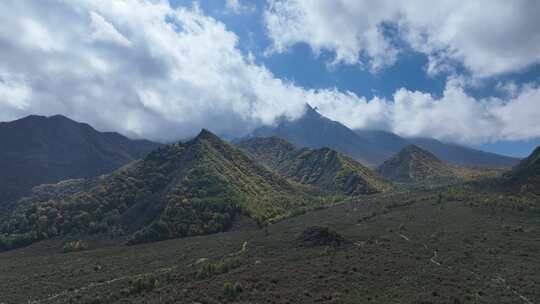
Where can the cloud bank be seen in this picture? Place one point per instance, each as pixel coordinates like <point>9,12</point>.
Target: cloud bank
<point>146,69</point>
<point>454,117</point>
<point>488,37</point>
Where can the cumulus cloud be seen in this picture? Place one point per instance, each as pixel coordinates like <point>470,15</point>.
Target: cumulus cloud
<point>104,31</point>
<point>145,69</point>
<point>237,7</point>
<point>14,94</point>
<point>454,116</point>
<point>488,37</point>
<point>166,72</point>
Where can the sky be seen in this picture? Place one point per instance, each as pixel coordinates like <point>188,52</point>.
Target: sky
<point>465,71</point>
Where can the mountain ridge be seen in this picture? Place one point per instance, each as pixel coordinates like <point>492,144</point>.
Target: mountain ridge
<point>372,147</point>
<point>184,189</point>
<point>38,150</point>
<point>324,168</point>
<point>413,164</point>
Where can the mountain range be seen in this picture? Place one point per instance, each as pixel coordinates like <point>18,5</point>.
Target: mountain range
<point>37,150</point>
<point>196,187</point>
<point>177,190</point>
<point>372,147</point>
<point>208,186</point>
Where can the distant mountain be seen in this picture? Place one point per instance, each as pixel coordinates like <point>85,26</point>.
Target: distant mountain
<point>391,144</point>
<point>37,150</point>
<point>323,168</point>
<point>388,142</point>
<point>413,164</point>
<point>464,156</point>
<point>313,130</point>
<point>184,189</point>
<point>372,147</point>
<point>526,174</point>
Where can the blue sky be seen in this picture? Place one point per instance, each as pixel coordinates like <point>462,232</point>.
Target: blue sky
<point>301,65</point>
<point>464,72</point>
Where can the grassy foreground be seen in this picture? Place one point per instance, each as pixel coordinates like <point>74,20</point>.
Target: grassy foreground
<point>402,249</point>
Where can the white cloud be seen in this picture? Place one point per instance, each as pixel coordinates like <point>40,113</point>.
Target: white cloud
<point>38,36</point>
<point>489,37</point>
<point>104,31</point>
<point>455,116</point>
<point>343,27</point>
<point>237,7</point>
<point>14,93</point>
<point>183,71</point>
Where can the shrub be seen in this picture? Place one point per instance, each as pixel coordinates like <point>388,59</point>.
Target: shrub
<point>145,283</point>
<point>225,265</point>
<point>75,246</point>
<point>321,236</point>
<point>232,291</point>
<point>8,242</point>
<point>157,231</point>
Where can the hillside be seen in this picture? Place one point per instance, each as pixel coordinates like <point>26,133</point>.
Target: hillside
<point>323,168</point>
<point>37,150</point>
<point>179,190</point>
<point>413,164</point>
<point>455,248</point>
<point>526,175</point>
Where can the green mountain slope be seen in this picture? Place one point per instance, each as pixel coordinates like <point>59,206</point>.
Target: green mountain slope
<point>413,164</point>
<point>323,168</point>
<point>177,190</point>
<point>526,175</point>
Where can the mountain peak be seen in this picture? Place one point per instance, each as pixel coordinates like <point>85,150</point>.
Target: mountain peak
<point>60,117</point>
<point>38,149</point>
<point>311,111</point>
<point>413,164</point>
<point>43,118</point>
<point>206,135</point>
<point>314,130</point>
